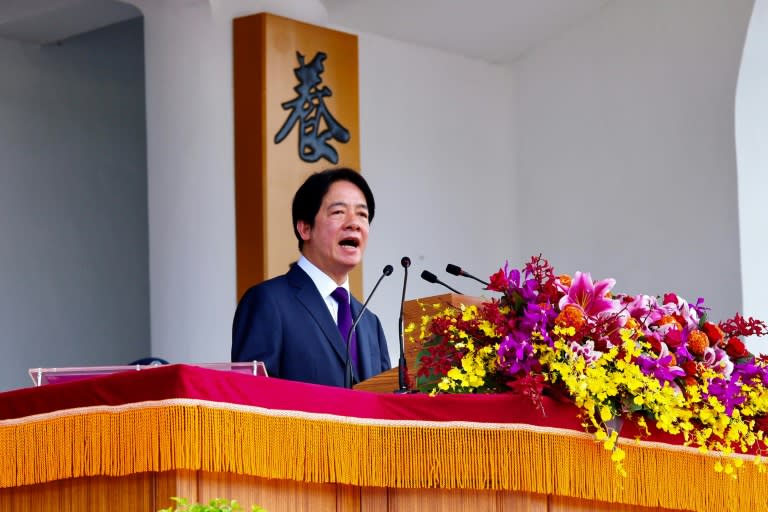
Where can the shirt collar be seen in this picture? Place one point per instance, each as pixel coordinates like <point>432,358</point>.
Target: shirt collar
<point>324,284</point>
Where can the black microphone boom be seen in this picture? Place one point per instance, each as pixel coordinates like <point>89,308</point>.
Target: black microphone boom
<point>432,278</point>
<point>458,271</point>
<point>402,365</point>
<point>348,361</point>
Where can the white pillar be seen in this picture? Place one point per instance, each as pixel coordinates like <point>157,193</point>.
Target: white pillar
<point>190,162</point>
<point>751,124</point>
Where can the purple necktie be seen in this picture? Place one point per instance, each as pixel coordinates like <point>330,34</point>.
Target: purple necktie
<point>344,321</point>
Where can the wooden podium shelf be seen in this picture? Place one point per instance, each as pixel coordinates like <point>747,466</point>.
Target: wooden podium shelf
<point>413,310</point>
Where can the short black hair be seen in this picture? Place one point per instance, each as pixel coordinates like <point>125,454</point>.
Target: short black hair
<point>309,197</point>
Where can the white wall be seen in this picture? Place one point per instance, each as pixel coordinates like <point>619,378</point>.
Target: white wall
<point>609,149</point>
<point>190,182</point>
<point>751,130</point>
<point>627,159</point>
<point>613,154</point>
<point>73,220</point>
<point>437,144</point>
<point>190,154</point>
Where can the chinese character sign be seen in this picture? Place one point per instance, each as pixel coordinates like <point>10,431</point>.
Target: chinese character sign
<point>296,111</point>
<point>316,125</point>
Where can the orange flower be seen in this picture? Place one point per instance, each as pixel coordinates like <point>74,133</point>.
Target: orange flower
<point>565,280</point>
<point>697,342</point>
<point>632,324</point>
<point>571,316</point>
<point>669,319</point>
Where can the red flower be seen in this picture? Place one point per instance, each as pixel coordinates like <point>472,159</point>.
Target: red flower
<point>689,367</point>
<point>670,298</point>
<point>655,344</point>
<point>735,348</point>
<point>713,332</point>
<point>499,281</point>
<point>673,338</point>
<point>740,326</point>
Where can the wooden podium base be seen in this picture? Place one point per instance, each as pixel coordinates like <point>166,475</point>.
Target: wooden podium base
<point>149,492</point>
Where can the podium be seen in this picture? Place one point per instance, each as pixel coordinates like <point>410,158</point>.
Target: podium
<point>413,310</point>
<point>131,440</point>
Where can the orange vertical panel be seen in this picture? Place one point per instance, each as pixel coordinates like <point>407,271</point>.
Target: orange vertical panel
<point>267,174</point>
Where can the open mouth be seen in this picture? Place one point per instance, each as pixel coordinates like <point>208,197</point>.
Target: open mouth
<point>350,242</point>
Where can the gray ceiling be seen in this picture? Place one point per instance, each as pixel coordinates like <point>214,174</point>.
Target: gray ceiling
<point>45,21</point>
<point>497,31</point>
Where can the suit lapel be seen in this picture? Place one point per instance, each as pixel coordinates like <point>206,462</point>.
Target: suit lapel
<point>309,297</point>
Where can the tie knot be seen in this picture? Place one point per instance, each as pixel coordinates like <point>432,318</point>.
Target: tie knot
<point>341,295</point>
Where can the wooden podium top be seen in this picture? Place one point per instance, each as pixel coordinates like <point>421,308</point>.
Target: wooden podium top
<point>413,310</point>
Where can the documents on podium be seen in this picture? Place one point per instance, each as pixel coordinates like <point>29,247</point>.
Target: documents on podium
<point>414,309</point>
<point>42,376</point>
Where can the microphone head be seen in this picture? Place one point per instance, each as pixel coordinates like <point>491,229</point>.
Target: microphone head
<point>405,262</point>
<point>429,276</point>
<point>387,270</point>
<point>453,269</point>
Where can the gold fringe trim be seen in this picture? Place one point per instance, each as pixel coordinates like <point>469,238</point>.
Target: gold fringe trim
<point>162,436</point>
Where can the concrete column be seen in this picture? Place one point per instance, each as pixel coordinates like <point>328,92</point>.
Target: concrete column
<point>751,123</point>
<point>190,162</point>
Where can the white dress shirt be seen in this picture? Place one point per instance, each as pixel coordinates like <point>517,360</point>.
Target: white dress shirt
<point>324,284</point>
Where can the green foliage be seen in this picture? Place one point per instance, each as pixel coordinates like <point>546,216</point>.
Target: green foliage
<point>217,505</point>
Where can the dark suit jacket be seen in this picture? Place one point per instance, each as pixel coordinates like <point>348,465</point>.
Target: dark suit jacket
<point>285,323</point>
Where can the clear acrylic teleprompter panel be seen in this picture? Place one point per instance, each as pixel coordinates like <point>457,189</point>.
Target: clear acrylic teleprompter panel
<point>42,376</point>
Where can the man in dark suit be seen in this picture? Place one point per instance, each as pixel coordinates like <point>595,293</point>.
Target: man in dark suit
<point>291,322</point>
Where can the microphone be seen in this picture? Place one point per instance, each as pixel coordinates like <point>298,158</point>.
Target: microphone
<point>457,271</point>
<point>348,361</point>
<point>432,278</point>
<point>402,365</point>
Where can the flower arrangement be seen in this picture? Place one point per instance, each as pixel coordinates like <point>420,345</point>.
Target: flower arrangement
<point>654,360</point>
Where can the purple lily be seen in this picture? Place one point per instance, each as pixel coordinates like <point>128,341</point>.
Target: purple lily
<point>749,372</point>
<point>727,391</point>
<point>538,317</point>
<point>660,368</point>
<point>516,354</point>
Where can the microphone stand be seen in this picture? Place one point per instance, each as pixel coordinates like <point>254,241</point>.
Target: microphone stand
<point>348,360</point>
<point>458,271</point>
<point>432,278</point>
<point>402,364</point>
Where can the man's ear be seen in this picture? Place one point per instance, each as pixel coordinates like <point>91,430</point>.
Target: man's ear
<point>304,229</point>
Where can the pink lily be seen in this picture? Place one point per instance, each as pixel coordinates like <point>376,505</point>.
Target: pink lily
<point>592,298</point>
